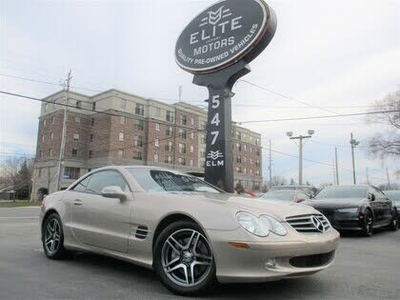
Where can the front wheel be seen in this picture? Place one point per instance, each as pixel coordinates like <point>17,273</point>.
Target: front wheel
<point>368,225</point>
<point>53,237</point>
<point>394,225</point>
<point>183,259</point>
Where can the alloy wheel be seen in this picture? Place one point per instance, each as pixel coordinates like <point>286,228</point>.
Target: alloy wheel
<point>52,236</point>
<point>186,257</point>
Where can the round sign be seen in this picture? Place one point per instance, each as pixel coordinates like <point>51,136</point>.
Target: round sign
<point>224,33</point>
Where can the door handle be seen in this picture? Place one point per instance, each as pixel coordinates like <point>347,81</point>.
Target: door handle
<point>77,202</point>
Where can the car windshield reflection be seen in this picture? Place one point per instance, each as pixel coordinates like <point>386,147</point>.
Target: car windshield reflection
<point>342,192</point>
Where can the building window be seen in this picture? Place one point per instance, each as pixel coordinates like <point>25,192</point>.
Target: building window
<point>121,137</point>
<point>182,161</point>
<point>192,135</point>
<point>251,161</point>
<point>169,131</point>
<point>191,162</point>
<point>244,171</point>
<point>157,142</point>
<point>77,120</point>
<point>251,171</point>
<point>94,106</point>
<point>156,157</point>
<point>123,103</point>
<point>182,120</point>
<point>157,126</point>
<point>92,122</point>
<point>168,147</point>
<point>90,153</point>
<point>139,125</point>
<point>251,138</point>
<point>257,172</point>
<point>41,153</point>
<point>182,148</point>
<point>238,135</point>
<point>121,120</point>
<point>238,169</point>
<point>53,118</point>
<point>121,152</point>
<point>51,136</point>
<point>50,152</point>
<point>137,155</point>
<point>74,152</point>
<point>42,138</point>
<point>71,173</point>
<point>39,172</point>
<point>191,120</point>
<point>158,111</point>
<point>91,137</point>
<point>76,136</point>
<point>203,139</point>
<point>169,116</point>
<point>139,109</point>
<point>238,147</point>
<point>258,152</point>
<point>239,159</point>
<point>202,152</point>
<point>257,163</point>
<point>244,159</point>
<point>191,148</point>
<point>251,149</point>
<point>245,147</point>
<point>138,141</point>
<point>168,159</point>
<point>257,141</point>
<point>203,125</point>
<point>78,104</point>
<point>182,133</point>
<point>44,122</point>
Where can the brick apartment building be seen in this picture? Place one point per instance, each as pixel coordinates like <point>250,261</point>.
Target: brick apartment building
<point>117,128</point>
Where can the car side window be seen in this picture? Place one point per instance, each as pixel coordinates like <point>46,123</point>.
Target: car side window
<point>82,185</point>
<point>379,194</point>
<point>302,196</point>
<point>102,179</point>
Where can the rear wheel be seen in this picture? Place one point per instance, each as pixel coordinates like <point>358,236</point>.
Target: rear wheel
<point>53,237</point>
<point>183,259</point>
<point>368,225</point>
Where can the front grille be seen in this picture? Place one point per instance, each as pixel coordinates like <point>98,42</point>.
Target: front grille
<point>311,261</point>
<point>309,223</point>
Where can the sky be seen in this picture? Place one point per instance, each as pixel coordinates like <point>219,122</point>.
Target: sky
<point>326,58</point>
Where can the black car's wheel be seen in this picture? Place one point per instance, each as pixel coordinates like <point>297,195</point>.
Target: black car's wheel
<point>183,259</point>
<point>53,237</point>
<point>394,225</point>
<point>368,225</point>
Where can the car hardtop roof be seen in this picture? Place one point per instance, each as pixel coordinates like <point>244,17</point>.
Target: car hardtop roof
<point>119,167</point>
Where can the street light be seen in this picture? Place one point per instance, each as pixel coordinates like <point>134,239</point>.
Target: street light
<point>300,138</point>
<point>354,143</point>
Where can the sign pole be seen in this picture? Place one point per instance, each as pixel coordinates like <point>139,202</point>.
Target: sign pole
<point>219,159</point>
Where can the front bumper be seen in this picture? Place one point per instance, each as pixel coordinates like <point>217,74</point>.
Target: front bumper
<point>273,257</point>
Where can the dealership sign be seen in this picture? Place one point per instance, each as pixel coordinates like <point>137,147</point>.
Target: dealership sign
<point>223,34</point>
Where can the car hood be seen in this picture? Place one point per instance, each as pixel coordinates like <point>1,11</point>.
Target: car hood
<point>256,206</point>
<point>335,202</point>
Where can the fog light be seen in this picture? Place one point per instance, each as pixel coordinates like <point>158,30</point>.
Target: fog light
<point>270,263</point>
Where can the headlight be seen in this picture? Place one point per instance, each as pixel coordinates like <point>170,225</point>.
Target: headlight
<point>260,226</point>
<point>348,210</point>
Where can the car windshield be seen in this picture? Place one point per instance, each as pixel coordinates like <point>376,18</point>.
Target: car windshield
<point>159,181</point>
<point>342,192</point>
<point>286,195</point>
<point>393,195</point>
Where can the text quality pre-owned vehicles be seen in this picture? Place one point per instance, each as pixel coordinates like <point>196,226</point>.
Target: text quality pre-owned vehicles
<point>286,195</point>
<point>356,207</point>
<point>191,233</point>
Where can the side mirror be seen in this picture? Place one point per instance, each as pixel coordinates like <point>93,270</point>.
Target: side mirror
<point>113,192</point>
<point>371,197</point>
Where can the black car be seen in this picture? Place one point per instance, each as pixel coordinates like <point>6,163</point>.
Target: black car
<point>394,195</point>
<point>356,207</point>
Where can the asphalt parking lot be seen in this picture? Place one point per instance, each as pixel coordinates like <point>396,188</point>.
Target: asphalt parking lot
<point>365,268</point>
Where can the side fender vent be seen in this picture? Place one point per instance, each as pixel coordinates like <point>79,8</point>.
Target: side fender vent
<point>141,232</point>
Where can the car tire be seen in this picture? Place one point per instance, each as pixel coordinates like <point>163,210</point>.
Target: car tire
<point>394,225</point>
<point>53,237</point>
<point>368,225</point>
<point>184,260</point>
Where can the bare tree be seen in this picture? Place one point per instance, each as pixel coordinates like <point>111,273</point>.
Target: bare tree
<point>16,173</point>
<point>387,144</point>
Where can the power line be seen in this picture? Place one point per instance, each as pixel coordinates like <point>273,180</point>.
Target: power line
<point>322,117</point>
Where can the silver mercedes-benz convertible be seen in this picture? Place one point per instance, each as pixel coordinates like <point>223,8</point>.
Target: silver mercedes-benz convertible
<point>191,233</point>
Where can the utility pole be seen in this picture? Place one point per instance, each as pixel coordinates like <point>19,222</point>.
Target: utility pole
<point>388,177</point>
<point>367,171</point>
<point>337,167</point>
<point>354,143</point>
<point>64,132</point>
<point>270,165</point>
<point>300,138</point>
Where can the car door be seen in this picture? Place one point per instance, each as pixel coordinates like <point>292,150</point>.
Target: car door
<point>375,204</point>
<point>97,220</point>
<point>386,207</point>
